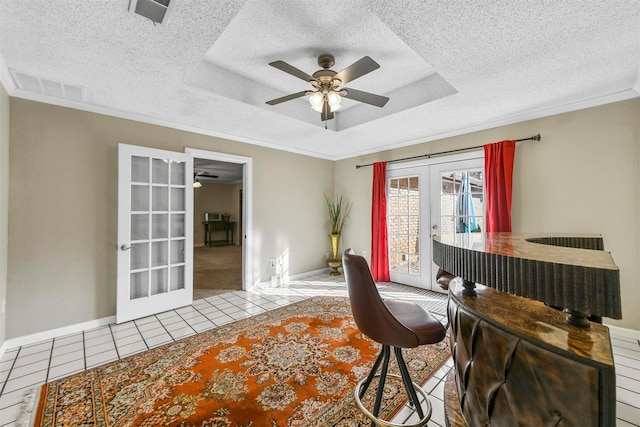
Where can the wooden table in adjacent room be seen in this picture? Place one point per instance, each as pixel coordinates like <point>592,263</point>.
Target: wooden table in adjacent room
<point>227,227</point>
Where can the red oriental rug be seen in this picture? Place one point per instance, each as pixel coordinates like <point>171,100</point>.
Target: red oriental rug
<point>294,366</point>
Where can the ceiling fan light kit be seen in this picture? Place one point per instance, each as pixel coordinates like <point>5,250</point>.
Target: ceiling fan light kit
<point>326,98</point>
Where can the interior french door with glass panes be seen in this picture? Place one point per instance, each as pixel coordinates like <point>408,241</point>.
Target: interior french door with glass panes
<point>155,247</point>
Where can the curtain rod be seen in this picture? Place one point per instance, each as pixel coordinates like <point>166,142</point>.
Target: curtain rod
<point>428,156</point>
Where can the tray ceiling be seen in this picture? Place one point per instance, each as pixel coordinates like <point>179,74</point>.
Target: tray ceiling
<point>448,68</point>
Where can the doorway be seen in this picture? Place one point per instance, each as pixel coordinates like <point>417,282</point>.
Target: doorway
<point>220,223</point>
<point>425,199</point>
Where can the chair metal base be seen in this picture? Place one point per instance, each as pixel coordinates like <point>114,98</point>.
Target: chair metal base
<point>410,387</point>
<point>378,421</point>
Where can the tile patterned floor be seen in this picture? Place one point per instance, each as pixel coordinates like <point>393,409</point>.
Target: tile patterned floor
<point>27,367</point>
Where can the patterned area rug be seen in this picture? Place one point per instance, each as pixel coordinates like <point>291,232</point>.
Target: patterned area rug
<point>295,366</point>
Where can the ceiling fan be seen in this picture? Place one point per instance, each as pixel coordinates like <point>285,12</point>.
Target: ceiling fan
<point>198,175</point>
<point>328,85</point>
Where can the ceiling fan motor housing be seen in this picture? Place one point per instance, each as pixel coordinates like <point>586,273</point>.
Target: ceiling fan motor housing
<point>326,61</point>
<point>324,79</point>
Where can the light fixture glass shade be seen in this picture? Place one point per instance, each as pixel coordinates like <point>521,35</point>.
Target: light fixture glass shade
<point>197,184</point>
<point>334,100</point>
<point>316,100</point>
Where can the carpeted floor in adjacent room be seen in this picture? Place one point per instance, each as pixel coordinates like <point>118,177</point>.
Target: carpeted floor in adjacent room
<point>216,270</point>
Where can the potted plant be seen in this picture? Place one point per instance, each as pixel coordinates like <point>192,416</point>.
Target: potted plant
<point>338,213</point>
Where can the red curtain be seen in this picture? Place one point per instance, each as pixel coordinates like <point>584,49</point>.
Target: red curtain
<point>379,256</point>
<point>498,169</point>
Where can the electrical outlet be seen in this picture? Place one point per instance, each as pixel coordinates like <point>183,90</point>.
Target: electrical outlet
<point>326,255</point>
<point>364,253</point>
<point>272,261</point>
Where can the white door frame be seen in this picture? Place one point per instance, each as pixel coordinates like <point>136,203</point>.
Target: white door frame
<point>247,213</point>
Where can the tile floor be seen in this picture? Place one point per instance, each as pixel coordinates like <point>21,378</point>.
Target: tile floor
<point>29,366</point>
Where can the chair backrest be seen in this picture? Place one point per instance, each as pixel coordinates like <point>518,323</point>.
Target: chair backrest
<point>369,311</point>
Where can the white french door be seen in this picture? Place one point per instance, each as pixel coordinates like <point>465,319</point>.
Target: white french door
<point>407,210</point>
<point>459,203</point>
<point>425,200</point>
<point>155,242</point>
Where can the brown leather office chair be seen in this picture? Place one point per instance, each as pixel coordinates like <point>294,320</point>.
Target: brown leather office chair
<point>392,323</point>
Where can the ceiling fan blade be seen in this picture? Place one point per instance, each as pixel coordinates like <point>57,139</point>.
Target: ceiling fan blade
<point>287,98</point>
<point>366,97</point>
<point>204,175</point>
<point>290,69</point>
<point>357,69</point>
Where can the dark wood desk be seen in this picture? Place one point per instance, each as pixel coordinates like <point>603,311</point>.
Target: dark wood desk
<point>228,227</point>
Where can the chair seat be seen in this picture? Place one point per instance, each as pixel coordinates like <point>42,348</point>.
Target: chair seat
<point>443,279</point>
<point>426,328</point>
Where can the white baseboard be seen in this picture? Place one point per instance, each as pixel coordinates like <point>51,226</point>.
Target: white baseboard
<point>92,324</point>
<point>286,279</point>
<point>3,349</point>
<point>308,273</point>
<point>55,333</point>
<point>624,332</point>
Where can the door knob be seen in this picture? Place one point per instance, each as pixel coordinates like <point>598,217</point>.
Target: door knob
<point>125,247</point>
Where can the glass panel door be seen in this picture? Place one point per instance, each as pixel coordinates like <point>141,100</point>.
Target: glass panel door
<point>155,252</point>
<point>424,201</point>
<point>461,201</point>
<point>457,202</point>
<point>406,241</point>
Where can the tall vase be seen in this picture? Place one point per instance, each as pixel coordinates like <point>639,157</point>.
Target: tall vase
<point>335,244</point>
<point>335,261</point>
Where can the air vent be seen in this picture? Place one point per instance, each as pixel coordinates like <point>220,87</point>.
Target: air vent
<point>48,87</point>
<point>155,10</point>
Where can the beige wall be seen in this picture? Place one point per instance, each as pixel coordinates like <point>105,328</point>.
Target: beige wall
<point>215,198</point>
<point>63,210</point>
<point>4,203</point>
<point>582,177</point>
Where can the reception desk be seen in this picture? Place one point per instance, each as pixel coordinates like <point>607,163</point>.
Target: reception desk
<point>517,360</point>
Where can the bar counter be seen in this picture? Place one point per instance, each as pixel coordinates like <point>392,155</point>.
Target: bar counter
<point>570,271</point>
<point>518,361</point>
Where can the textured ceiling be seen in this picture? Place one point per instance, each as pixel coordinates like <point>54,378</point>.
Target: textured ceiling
<point>448,67</point>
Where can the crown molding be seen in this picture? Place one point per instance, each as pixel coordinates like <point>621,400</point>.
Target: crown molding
<point>506,120</point>
<point>636,85</point>
<point>5,78</point>
<point>633,92</point>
